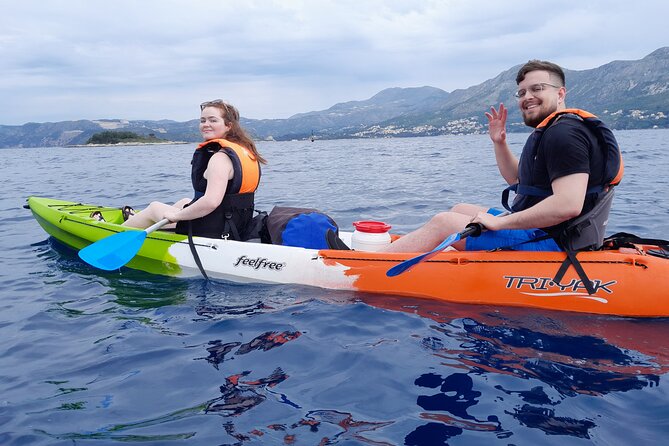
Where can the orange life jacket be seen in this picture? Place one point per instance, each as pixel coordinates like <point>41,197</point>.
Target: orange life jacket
<point>246,167</point>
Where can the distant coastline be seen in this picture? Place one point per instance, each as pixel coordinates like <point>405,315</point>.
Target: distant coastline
<point>626,95</point>
<point>129,143</point>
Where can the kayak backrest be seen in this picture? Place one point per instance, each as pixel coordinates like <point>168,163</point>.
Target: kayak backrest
<point>586,232</point>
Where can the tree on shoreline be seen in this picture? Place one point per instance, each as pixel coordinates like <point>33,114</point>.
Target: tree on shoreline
<point>110,137</point>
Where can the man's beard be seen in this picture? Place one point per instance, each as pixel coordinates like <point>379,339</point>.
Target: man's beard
<point>533,122</point>
<point>538,119</point>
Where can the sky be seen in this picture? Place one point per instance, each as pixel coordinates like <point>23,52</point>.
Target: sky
<point>159,59</point>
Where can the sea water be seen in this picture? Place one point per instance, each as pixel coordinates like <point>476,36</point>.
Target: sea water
<point>92,357</point>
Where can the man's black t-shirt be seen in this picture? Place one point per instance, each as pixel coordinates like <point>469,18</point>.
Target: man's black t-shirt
<point>568,147</point>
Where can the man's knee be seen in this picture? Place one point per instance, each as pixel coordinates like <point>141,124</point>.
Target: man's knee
<point>441,220</point>
<point>467,209</point>
<point>460,208</point>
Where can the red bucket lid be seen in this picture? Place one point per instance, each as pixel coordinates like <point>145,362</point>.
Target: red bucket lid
<point>371,226</point>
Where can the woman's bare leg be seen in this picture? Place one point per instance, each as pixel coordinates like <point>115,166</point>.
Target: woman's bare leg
<point>153,213</point>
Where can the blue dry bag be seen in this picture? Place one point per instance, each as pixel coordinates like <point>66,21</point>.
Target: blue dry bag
<point>301,227</point>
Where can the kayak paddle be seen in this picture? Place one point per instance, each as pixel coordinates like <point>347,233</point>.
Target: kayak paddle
<point>113,252</point>
<point>473,229</point>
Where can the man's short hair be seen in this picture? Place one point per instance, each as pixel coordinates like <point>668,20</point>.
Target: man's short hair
<point>537,65</point>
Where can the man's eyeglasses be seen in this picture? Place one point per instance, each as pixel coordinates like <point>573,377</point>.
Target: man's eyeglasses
<point>534,89</point>
<point>213,103</point>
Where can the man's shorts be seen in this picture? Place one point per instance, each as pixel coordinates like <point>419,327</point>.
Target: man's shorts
<point>511,238</point>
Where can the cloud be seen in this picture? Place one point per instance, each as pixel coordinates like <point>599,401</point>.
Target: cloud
<point>76,59</point>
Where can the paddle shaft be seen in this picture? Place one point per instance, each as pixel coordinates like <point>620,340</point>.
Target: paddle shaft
<point>156,226</point>
<point>471,229</point>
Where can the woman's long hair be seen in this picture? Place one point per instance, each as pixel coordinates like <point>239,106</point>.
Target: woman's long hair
<point>236,134</point>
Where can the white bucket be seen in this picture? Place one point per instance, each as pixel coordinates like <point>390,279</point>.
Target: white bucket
<point>370,235</point>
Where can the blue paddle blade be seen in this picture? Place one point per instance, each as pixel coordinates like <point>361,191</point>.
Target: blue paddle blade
<point>113,252</point>
<point>404,266</point>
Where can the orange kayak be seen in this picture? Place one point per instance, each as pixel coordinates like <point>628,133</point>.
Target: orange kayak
<point>627,282</point>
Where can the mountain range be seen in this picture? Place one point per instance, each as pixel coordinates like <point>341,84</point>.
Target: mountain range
<point>625,94</point>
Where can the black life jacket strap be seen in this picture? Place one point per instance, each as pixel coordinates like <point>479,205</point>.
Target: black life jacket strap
<point>230,228</point>
<point>505,196</point>
<point>193,251</point>
<point>237,207</point>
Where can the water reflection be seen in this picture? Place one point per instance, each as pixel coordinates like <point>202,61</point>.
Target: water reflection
<point>455,395</point>
<point>534,362</point>
<point>546,420</point>
<point>571,364</point>
<point>239,393</point>
<point>264,342</point>
<point>129,288</point>
<point>238,396</point>
<point>328,427</point>
<point>569,354</point>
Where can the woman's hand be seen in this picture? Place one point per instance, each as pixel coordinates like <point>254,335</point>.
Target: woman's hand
<point>172,216</point>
